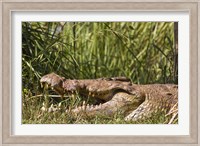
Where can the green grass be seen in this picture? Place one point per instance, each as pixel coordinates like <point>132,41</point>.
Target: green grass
<point>32,113</point>
<point>141,51</point>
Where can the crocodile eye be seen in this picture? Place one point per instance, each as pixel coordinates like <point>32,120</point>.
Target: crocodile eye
<point>169,93</point>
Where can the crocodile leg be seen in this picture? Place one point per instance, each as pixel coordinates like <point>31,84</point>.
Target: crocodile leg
<point>147,109</point>
<point>158,100</point>
<point>120,102</point>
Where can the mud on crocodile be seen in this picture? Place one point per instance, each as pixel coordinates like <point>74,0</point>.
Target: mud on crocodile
<point>137,102</point>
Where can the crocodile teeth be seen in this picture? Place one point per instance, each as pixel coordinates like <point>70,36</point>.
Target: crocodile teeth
<point>41,84</point>
<point>69,109</point>
<point>88,106</point>
<point>73,96</point>
<point>51,106</point>
<point>84,103</point>
<point>89,94</point>
<point>50,109</point>
<point>83,107</point>
<point>91,106</point>
<point>100,105</point>
<point>55,109</point>
<point>43,109</point>
<point>59,105</point>
<point>46,86</point>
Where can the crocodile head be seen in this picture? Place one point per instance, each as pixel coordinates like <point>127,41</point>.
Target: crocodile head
<point>54,81</point>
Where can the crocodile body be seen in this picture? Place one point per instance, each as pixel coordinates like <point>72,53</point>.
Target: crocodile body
<point>136,102</point>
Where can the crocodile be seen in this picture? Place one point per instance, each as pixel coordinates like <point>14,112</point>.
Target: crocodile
<point>136,102</point>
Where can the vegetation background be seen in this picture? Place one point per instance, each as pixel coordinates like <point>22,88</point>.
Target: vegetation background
<point>145,52</point>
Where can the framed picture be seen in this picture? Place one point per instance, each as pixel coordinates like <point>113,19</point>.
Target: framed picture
<point>100,72</point>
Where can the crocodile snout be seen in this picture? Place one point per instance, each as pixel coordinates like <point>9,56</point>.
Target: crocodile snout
<point>54,81</point>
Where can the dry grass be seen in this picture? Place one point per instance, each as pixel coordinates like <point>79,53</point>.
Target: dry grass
<point>33,113</point>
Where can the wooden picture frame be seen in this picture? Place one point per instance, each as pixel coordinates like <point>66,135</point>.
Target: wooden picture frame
<point>9,6</point>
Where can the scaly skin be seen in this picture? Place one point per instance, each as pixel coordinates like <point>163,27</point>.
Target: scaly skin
<point>119,94</point>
